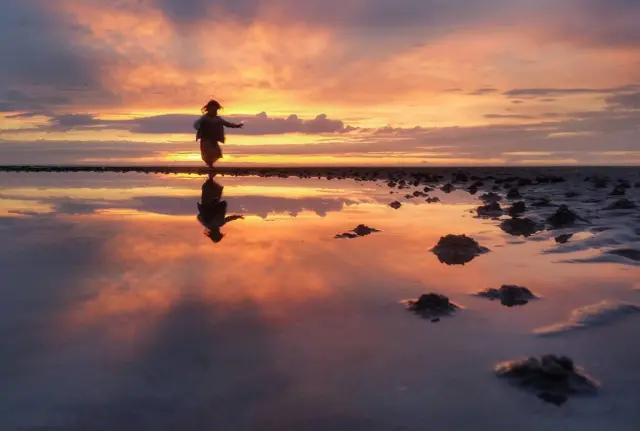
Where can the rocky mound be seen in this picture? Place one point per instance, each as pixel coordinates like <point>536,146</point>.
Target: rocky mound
<point>457,249</point>
<point>431,305</point>
<point>447,188</point>
<point>563,239</point>
<point>542,202</point>
<point>564,217</point>
<point>360,230</point>
<point>509,295</point>
<point>619,190</point>
<point>520,227</point>
<point>514,194</point>
<point>517,209</point>
<point>460,177</point>
<point>473,188</point>
<point>490,197</point>
<point>490,210</point>
<point>552,378</point>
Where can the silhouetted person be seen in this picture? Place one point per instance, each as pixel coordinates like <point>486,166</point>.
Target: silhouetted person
<point>212,210</point>
<point>210,133</point>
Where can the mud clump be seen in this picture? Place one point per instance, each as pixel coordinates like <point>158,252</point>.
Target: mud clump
<point>524,182</point>
<point>622,204</point>
<point>429,178</point>
<point>543,202</point>
<point>457,249</point>
<point>563,239</point>
<point>395,205</point>
<point>473,188</point>
<point>431,305</point>
<point>509,295</point>
<point>490,197</point>
<point>491,210</point>
<point>506,180</point>
<point>564,217</point>
<point>447,188</point>
<point>360,230</point>
<point>520,227</point>
<point>598,181</point>
<point>460,177</point>
<point>619,190</point>
<point>346,235</point>
<point>363,230</point>
<point>517,209</point>
<point>514,194</point>
<point>552,378</point>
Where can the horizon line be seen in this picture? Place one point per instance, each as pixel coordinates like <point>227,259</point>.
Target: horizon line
<point>191,169</point>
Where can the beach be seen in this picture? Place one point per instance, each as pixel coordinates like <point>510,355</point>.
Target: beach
<point>121,310</point>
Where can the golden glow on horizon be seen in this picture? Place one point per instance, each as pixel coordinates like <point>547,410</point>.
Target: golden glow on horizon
<point>310,160</point>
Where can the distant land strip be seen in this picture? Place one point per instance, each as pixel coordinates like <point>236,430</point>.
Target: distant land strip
<point>232,170</point>
<point>316,171</point>
<point>371,172</point>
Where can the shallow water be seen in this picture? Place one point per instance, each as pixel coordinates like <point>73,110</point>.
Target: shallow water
<point>118,312</point>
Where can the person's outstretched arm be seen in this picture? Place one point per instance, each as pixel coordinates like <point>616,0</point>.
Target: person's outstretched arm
<point>232,218</point>
<point>230,124</point>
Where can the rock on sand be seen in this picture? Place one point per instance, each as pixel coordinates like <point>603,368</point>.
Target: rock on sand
<point>509,295</point>
<point>431,305</point>
<point>520,227</point>
<point>360,230</point>
<point>457,249</point>
<point>552,378</point>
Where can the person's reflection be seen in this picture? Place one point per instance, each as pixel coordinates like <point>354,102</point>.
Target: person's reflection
<point>212,211</point>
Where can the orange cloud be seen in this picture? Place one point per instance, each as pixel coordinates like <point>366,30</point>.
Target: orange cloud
<point>368,66</point>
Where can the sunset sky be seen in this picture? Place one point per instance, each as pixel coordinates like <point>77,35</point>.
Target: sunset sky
<point>322,82</point>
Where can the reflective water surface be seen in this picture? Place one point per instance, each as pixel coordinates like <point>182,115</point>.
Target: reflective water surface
<point>151,302</point>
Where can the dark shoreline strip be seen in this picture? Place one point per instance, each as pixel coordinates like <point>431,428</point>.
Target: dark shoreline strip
<point>344,172</point>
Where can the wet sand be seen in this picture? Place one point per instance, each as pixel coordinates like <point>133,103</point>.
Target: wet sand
<point>119,313</point>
